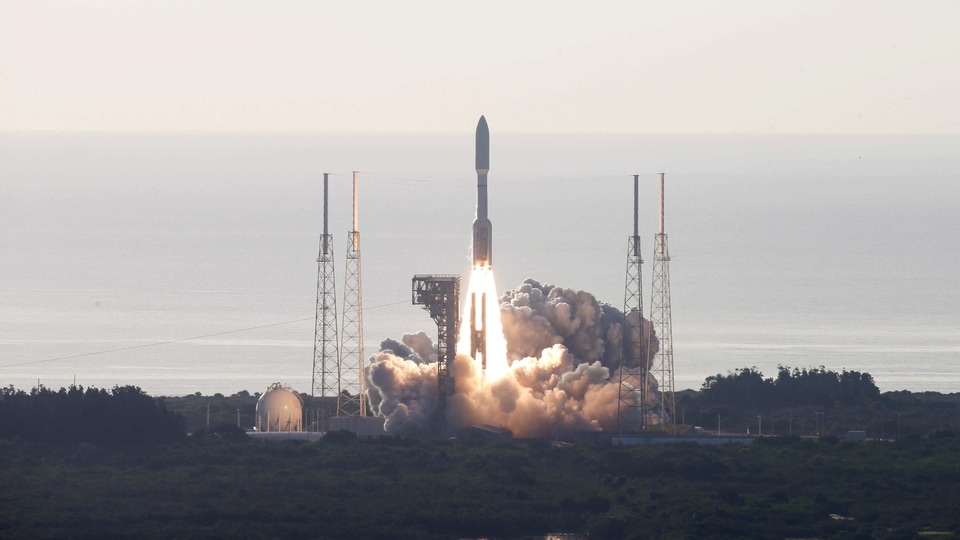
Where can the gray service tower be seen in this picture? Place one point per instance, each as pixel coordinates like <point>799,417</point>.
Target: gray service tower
<point>482,229</point>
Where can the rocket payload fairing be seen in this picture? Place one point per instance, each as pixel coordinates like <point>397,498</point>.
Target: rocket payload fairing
<point>482,228</point>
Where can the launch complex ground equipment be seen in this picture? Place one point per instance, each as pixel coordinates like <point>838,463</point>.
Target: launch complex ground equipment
<point>662,320</point>
<point>326,354</point>
<point>633,359</point>
<point>440,295</point>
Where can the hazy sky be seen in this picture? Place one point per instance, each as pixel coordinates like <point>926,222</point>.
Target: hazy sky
<point>860,66</point>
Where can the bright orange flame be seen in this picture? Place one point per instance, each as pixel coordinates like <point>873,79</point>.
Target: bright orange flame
<point>481,282</point>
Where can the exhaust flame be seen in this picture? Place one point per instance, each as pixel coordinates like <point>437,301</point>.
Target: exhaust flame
<point>564,349</point>
<point>483,288</point>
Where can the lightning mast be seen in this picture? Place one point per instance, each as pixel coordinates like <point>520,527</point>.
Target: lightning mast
<point>351,399</point>
<point>326,360</point>
<point>661,318</point>
<point>633,358</point>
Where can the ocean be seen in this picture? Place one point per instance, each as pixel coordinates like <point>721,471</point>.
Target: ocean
<point>185,263</point>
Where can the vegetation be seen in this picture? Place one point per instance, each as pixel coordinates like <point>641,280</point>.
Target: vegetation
<point>746,388</point>
<point>118,417</point>
<point>814,402</point>
<point>200,412</point>
<point>219,487</point>
<point>118,463</point>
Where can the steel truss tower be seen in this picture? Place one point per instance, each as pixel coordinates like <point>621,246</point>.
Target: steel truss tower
<point>351,399</point>
<point>440,294</point>
<point>633,359</point>
<point>661,318</point>
<point>326,360</point>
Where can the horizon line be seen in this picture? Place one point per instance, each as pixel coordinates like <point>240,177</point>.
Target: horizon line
<point>465,131</point>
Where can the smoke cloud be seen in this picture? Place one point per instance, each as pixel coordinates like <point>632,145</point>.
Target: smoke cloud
<point>563,347</point>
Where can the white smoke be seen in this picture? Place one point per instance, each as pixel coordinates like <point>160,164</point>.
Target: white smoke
<point>564,348</point>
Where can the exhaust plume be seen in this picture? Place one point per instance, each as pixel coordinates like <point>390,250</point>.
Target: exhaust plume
<point>563,350</point>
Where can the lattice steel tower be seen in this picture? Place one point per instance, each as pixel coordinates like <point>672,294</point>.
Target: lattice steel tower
<point>661,318</point>
<point>351,400</point>
<point>633,359</point>
<point>326,360</point>
<point>440,295</point>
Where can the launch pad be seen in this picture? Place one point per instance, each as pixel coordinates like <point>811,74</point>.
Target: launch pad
<point>519,395</point>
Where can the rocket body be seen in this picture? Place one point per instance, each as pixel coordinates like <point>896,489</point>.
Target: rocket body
<point>482,228</point>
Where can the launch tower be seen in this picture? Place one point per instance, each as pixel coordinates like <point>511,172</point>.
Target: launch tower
<point>326,361</point>
<point>440,295</point>
<point>661,318</point>
<point>633,359</point>
<point>351,399</point>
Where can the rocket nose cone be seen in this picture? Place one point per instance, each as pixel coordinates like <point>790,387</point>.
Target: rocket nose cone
<point>483,145</point>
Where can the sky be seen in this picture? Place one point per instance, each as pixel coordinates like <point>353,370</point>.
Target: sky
<point>538,66</point>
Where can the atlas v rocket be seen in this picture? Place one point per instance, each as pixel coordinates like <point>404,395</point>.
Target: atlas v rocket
<point>482,247</point>
<point>482,229</point>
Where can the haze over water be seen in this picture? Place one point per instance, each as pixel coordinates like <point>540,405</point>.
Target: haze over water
<point>800,250</point>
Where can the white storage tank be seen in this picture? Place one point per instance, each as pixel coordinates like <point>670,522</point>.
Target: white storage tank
<point>279,409</point>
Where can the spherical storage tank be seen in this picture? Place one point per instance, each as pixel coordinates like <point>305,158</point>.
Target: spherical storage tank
<point>279,409</point>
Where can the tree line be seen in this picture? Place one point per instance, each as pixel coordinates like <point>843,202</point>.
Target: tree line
<point>123,415</point>
<point>819,387</point>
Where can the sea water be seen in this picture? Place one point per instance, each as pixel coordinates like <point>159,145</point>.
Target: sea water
<point>186,263</point>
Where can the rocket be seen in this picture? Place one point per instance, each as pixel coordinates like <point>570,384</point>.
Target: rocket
<point>482,228</point>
